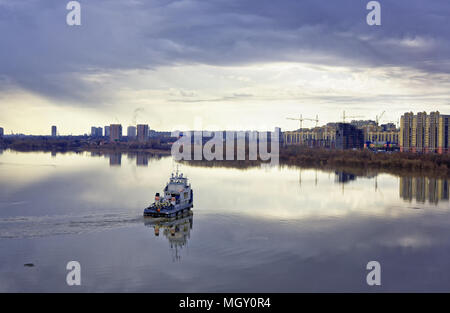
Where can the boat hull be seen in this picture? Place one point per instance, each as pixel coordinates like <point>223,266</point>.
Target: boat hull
<point>168,213</point>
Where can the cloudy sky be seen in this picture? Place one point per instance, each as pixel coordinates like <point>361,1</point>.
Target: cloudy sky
<point>234,64</point>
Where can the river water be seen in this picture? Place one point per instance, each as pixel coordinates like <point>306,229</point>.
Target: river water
<point>280,229</point>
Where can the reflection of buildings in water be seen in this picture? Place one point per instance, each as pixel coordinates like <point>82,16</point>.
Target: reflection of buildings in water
<point>142,159</point>
<point>115,159</point>
<point>176,231</point>
<point>300,178</point>
<point>423,188</point>
<point>343,177</point>
<point>131,155</point>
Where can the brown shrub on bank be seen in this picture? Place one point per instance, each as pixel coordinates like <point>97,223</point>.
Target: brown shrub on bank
<point>302,156</point>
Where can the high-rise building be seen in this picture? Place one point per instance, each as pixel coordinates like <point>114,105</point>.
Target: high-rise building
<point>349,137</point>
<point>96,132</point>
<point>115,132</point>
<point>54,131</point>
<point>142,132</point>
<point>107,131</point>
<point>131,132</point>
<point>1,131</point>
<point>324,136</point>
<point>425,133</point>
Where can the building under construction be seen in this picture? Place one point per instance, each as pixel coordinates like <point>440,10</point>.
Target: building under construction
<point>356,134</point>
<point>349,136</point>
<point>324,136</point>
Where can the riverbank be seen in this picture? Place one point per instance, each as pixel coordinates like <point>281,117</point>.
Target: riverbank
<point>361,161</point>
<point>81,144</point>
<point>396,162</point>
<point>389,162</point>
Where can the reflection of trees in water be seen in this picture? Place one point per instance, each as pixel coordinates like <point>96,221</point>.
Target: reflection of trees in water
<point>424,189</point>
<point>177,232</point>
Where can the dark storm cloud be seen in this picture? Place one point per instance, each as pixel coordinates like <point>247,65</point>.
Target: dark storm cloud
<point>39,52</point>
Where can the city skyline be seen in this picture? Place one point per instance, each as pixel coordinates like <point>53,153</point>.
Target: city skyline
<point>132,130</point>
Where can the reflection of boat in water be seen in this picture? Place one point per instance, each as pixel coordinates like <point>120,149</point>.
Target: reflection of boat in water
<point>177,199</point>
<point>177,231</point>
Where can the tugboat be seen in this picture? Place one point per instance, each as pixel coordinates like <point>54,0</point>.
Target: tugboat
<point>177,199</point>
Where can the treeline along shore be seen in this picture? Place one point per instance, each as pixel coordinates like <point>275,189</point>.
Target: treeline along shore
<point>79,144</point>
<point>388,162</point>
<point>400,163</point>
<point>289,155</point>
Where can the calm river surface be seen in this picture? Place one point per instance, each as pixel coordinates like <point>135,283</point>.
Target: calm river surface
<point>253,230</point>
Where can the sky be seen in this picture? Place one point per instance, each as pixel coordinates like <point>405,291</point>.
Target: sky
<point>218,64</point>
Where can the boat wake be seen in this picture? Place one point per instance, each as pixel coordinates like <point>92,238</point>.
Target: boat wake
<point>42,226</point>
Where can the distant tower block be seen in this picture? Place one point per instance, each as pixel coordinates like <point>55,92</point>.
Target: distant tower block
<point>96,132</point>
<point>424,132</point>
<point>107,131</point>
<point>131,132</point>
<point>115,132</point>
<point>142,132</point>
<point>1,132</point>
<point>54,131</point>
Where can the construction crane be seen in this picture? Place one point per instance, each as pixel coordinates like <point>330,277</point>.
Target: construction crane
<point>314,120</point>
<point>344,116</point>
<point>297,119</point>
<point>301,119</point>
<point>378,117</point>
